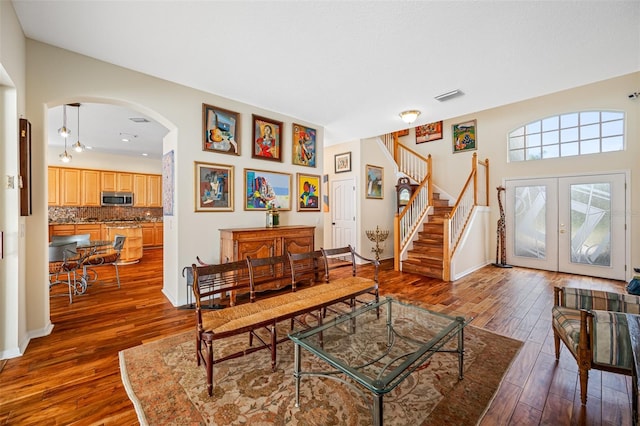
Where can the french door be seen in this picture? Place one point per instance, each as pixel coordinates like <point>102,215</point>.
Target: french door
<point>570,224</point>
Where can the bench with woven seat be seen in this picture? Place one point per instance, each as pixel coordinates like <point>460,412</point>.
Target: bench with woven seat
<point>264,310</point>
<point>593,326</point>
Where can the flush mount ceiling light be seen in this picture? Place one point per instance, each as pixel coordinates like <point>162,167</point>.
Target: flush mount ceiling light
<point>409,116</point>
<point>78,146</point>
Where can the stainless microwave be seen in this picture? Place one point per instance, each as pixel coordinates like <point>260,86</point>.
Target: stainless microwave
<point>116,199</point>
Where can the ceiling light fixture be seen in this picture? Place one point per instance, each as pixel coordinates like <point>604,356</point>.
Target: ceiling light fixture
<point>64,132</point>
<point>78,147</point>
<point>449,95</point>
<point>409,116</point>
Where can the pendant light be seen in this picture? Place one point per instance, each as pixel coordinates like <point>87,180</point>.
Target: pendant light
<point>78,146</point>
<point>64,132</point>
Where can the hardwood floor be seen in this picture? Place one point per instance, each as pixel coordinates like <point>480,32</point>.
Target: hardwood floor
<point>72,376</point>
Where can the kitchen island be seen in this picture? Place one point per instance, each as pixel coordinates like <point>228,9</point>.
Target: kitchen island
<point>132,250</point>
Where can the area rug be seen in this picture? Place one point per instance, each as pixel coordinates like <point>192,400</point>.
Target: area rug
<point>168,388</point>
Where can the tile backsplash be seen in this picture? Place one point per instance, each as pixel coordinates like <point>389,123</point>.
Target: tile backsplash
<point>99,214</point>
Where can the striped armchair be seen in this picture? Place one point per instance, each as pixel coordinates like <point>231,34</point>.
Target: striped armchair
<point>593,326</point>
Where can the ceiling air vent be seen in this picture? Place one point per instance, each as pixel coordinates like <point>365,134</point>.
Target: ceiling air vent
<point>449,95</point>
<point>139,120</point>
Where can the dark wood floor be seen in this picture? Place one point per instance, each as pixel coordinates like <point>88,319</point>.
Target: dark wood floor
<point>72,376</point>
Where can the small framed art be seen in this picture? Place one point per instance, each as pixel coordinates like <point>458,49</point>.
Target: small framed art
<point>220,130</point>
<point>429,132</point>
<point>214,187</point>
<point>342,162</point>
<point>375,179</point>
<point>267,139</point>
<point>304,146</point>
<point>464,136</point>
<point>308,192</point>
<point>264,189</point>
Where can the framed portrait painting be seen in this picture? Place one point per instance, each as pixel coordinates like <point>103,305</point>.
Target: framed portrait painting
<point>214,187</point>
<point>342,162</point>
<point>464,136</point>
<point>264,189</point>
<point>375,179</point>
<point>308,192</point>
<point>304,146</point>
<point>429,132</point>
<point>220,130</point>
<point>267,139</point>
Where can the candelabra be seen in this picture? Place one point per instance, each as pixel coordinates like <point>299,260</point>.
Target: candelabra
<point>377,237</point>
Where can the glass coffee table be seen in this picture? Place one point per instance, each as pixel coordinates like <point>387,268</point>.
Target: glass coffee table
<point>378,346</point>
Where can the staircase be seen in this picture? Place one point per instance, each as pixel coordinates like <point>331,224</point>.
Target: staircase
<point>429,251</point>
<point>427,255</point>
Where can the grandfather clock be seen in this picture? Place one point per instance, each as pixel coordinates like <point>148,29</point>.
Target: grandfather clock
<point>404,191</point>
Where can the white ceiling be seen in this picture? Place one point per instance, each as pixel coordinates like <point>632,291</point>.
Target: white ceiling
<point>352,66</point>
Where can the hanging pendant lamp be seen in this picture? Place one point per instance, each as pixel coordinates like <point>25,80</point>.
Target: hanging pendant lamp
<point>64,132</point>
<point>78,146</point>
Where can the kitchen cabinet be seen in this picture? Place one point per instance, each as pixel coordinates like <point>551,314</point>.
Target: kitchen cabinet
<point>93,229</point>
<point>90,188</point>
<point>132,250</point>
<point>154,191</point>
<point>116,181</point>
<point>62,229</point>
<point>152,234</point>
<point>53,186</point>
<point>139,190</point>
<point>70,187</point>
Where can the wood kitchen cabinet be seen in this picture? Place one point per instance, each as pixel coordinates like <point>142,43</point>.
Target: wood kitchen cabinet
<point>139,190</point>
<point>62,229</point>
<point>116,181</point>
<point>152,234</point>
<point>154,191</point>
<point>90,188</point>
<point>93,229</point>
<point>70,183</point>
<point>132,250</point>
<point>53,186</point>
<point>125,182</point>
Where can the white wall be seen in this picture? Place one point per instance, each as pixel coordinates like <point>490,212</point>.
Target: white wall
<point>57,76</point>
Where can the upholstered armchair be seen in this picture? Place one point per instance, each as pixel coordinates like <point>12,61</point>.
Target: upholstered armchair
<point>593,326</point>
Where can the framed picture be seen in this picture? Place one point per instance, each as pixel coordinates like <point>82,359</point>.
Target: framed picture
<point>404,132</point>
<point>375,179</point>
<point>220,130</point>
<point>343,162</point>
<point>267,139</point>
<point>304,146</point>
<point>429,132</point>
<point>264,189</point>
<point>214,187</point>
<point>464,136</point>
<point>308,192</point>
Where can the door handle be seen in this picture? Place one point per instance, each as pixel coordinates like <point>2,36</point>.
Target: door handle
<point>562,231</point>
<point>333,223</point>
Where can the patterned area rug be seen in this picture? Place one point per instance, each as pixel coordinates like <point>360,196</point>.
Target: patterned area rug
<point>167,387</point>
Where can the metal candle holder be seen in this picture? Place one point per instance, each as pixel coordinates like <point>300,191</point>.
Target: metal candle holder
<point>377,237</point>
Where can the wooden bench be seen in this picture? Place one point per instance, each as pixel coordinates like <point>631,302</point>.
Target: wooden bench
<point>264,310</point>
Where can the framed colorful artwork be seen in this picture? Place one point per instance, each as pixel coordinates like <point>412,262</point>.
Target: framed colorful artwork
<point>304,146</point>
<point>342,162</point>
<point>464,136</point>
<point>402,133</point>
<point>429,132</point>
<point>220,130</point>
<point>214,187</point>
<point>375,179</point>
<point>308,192</point>
<point>264,189</point>
<point>267,139</point>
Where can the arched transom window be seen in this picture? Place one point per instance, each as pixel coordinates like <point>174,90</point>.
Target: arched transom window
<point>567,135</point>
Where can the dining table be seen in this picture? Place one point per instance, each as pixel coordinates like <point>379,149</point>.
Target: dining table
<point>86,249</point>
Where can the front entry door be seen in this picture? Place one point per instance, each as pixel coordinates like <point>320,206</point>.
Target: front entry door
<point>569,224</point>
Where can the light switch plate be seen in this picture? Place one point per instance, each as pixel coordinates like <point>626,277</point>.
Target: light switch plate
<point>11,182</point>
